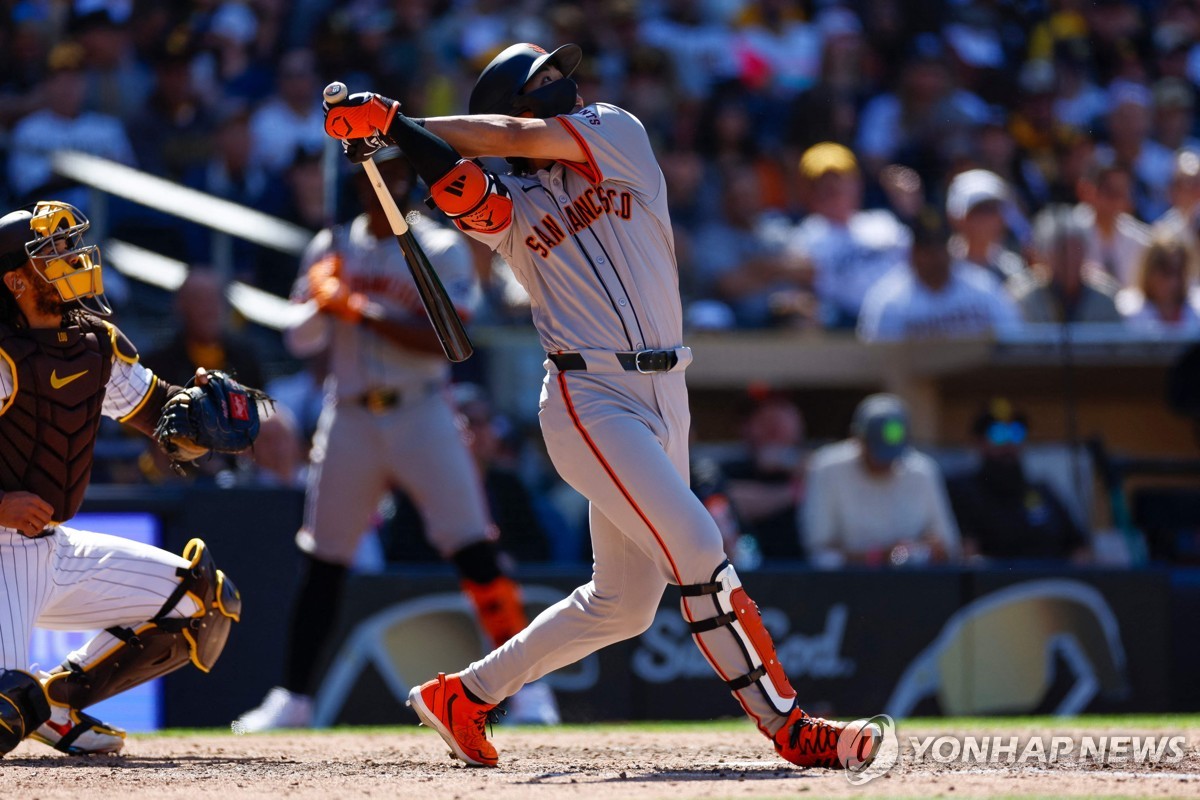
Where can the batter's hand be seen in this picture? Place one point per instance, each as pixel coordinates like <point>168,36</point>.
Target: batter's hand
<point>359,150</point>
<point>25,512</point>
<point>360,115</point>
<point>330,292</point>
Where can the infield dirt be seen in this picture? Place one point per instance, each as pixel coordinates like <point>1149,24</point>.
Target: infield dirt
<point>536,763</point>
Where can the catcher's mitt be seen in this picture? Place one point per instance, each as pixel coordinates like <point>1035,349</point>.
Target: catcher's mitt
<point>220,415</point>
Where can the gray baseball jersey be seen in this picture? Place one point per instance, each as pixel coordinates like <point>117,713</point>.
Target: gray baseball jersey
<point>591,242</point>
<point>386,422</point>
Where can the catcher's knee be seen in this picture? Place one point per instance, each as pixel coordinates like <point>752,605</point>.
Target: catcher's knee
<point>733,611</point>
<point>23,707</point>
<point>162,644</point>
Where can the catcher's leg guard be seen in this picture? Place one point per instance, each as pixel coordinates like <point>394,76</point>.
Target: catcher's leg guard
<point>23,707</point>
<point>160,645</point>
<point>498,606</point>
<point>729,631</point>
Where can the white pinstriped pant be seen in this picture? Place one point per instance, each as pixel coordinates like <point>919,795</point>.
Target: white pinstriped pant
<point>76,580</point>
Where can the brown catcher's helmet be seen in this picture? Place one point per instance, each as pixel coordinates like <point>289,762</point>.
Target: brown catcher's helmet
<point>498,90</point>
<point>50,235</point>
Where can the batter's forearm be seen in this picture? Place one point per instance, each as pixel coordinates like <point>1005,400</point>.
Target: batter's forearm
<point>483,135</point>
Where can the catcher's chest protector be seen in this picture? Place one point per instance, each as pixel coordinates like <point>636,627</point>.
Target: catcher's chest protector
<point>48,425</point>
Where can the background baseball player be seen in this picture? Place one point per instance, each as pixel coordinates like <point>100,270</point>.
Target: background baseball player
<point>61,367</point>
<point>387,423</point>
<point>584,224</point>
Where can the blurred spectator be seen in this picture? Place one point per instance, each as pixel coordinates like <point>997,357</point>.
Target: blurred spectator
<point>875,500</point>
<point>710,485</point>
<point>61,125</point>
<point>765,486</point>
<point>935,298</point>
<point>228,68</point>
<point>977,204</point>
<point>1003,514</point>
<point>700,47</point>
<point>1160,299</point>
<point>1174,102</point>
<point>1129,145</point>
<point>776,48</point>
<point>290,121</point>
<point>231,173</point>
<point>1063,286</point>
<point>1115,238</point>
<point>741,258</point>
<point>174,126</point>
<point>850,249</point>
<point>204,338</point>
<point>117,84</point>
<point>914,119</point>
<point>1182,220</point>
<point>828,111</point>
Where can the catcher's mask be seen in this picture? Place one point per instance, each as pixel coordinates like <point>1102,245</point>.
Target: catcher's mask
<point>50,236</point>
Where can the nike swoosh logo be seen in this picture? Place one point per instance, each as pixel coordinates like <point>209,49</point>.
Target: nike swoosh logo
<point>59,383</point>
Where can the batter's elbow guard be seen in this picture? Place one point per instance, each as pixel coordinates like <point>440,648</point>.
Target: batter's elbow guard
<point>473,198</point>
<point>23,707</point>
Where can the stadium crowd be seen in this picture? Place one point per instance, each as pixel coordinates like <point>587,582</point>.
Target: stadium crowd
<point>902,170</point>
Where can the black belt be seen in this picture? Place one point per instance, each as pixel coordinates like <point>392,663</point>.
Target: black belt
<point>378,400</point>
<point>639,361</point>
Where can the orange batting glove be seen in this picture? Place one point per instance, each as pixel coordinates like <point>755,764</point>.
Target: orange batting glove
<point>360,115</point>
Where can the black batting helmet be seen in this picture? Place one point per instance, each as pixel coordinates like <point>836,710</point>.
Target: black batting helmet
<point>501,81</point>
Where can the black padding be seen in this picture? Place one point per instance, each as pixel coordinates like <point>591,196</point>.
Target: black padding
<point>479,562</point>
<point>23,707</point>
<point>699,589</point>
<point>313,616</point>
<point>711,624</point>
<point>750,678</point>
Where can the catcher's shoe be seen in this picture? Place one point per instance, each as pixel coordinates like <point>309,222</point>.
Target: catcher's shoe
<point>72,731</point>
<point>813,742</point>
<point>279,709</point>
<point>444,705</point>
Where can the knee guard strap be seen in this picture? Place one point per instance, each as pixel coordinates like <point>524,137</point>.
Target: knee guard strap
<point>23,707</point>
<point>160,645</point>
<point>737,613</point>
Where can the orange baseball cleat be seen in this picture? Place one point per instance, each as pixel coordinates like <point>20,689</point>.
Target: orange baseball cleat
<point>443,704</point>
<point>813,742</point>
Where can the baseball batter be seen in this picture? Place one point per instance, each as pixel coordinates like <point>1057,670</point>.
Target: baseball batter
<point>583,221</point>
<point>387,423</point>
<point>61,368</point>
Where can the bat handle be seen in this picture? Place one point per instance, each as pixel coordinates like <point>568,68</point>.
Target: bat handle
<point>392,211</point>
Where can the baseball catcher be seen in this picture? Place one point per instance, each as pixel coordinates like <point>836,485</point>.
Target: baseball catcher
<point>62,366</point>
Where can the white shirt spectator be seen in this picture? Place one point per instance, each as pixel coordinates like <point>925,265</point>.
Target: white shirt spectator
<point>38,136</point>
<point>278,131</point>
<point>702,54</point>
<point>1122,252</point>
<point>971,304</point>
<point>847,510</point>
<point>849,259</point>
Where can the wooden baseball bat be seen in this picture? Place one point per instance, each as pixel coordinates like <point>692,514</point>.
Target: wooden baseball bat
<point>445,320</point>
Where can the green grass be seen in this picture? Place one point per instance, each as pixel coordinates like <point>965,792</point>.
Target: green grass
<point>1153,722</point>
